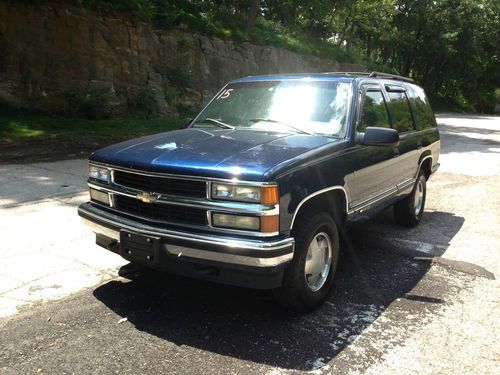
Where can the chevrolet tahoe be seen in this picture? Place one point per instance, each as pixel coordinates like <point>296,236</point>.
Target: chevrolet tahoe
<point>257,189</point>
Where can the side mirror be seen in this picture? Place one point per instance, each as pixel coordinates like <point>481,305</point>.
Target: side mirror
<point>186,123</point>
<point>375,136</point>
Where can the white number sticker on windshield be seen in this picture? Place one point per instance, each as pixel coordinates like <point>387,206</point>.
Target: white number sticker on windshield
<point>225,94</point>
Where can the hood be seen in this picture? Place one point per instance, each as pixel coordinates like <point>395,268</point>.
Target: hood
<point>217,153</point>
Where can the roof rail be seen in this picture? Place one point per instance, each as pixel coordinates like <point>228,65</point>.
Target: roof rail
<point>390,76</point>
<point>375,75</point>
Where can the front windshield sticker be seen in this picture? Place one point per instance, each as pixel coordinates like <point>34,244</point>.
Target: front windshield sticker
<point>225,94</point>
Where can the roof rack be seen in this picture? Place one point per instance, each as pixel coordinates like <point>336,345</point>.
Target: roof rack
<point>375,75</point>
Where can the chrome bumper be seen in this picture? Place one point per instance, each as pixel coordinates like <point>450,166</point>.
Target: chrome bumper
<point>231,251</point>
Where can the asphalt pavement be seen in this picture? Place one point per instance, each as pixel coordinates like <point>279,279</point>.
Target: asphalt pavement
<point>421,301</point>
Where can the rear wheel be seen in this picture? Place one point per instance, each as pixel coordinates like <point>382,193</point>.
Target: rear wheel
<point>308,279</point>
<point>408,211</point>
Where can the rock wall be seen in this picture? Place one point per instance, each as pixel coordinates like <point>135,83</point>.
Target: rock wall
<point>49,54</point>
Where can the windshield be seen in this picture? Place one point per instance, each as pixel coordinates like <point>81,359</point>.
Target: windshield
<point>313,107</point>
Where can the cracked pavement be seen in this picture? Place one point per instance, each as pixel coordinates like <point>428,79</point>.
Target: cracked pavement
<point>419,301</point>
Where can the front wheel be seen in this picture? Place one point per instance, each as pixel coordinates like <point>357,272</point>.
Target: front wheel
<point>308,279</point>
<point>408,211</point>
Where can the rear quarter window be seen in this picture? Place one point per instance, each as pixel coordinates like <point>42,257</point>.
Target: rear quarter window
<point>424,117</point>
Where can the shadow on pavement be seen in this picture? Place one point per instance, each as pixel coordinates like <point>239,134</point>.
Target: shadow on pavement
<point>433,235</point>
<point>33,183</point>
<point>455,139</point>
<point>453,129</point>
<point>247,324</point>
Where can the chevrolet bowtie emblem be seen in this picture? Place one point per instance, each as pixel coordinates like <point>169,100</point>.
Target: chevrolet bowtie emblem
<point>147,197</point>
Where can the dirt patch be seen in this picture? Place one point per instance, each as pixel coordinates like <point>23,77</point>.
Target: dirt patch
<point>29,151</point>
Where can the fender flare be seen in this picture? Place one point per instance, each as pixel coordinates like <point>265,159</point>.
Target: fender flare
<point>315,194</point>
<point>422,162</point>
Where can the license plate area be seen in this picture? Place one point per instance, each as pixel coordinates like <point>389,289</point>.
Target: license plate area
<point>145,249</point>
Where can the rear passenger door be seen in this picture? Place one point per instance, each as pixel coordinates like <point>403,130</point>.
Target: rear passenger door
<point>410,143</point>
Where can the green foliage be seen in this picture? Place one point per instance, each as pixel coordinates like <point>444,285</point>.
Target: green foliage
<point>92,103</point>
<point>19,125</point>
<point>449,46</point>
<point>142,9</point>
<point>175,81</point>
<point>185,110</point>
<point>145,103</point>
<point>446,103</point>
<point>179,77</point>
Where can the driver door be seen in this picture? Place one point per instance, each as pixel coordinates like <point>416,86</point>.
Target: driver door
<point>376,171</point>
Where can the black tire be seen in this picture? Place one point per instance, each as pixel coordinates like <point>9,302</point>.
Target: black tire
<point>405,211</point>
<point>295,294</point>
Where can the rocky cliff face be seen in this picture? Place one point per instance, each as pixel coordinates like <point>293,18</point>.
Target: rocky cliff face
<point>56,57</point>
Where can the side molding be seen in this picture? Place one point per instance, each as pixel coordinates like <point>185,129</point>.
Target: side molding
<point>337,187</point>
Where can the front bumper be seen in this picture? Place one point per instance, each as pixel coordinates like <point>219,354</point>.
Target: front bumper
<point>250,263</point>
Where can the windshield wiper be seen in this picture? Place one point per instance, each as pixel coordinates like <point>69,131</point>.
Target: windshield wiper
<point>279,122</point>
<point>220,124</point>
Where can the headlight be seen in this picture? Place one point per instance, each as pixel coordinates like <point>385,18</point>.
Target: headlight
<point>241,193</point>
<point>99,173</point>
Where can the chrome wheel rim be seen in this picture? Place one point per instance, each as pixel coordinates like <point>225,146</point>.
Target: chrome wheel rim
<point>318,261</point>
<point>418,199</point>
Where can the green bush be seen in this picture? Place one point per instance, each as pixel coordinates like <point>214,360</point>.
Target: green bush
<point>175,76</point>
<point>143,10</point>
<point>92,103</point>
<point>145,103</point>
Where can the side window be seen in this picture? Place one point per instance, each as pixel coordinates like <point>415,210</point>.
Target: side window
<point>400,111</point>
<point>424,117</point>
<point>374,111</point>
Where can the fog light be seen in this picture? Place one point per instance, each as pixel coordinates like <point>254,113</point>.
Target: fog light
<point>236,221</point>
<point>99,196</point>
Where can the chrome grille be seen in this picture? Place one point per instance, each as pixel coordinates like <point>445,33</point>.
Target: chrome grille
<point>162,185</point>
<point>161,212</point>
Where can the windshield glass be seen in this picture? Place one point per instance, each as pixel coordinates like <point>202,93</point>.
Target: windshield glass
<point>314,107</point>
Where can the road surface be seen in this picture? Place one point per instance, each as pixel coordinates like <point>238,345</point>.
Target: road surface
<point>405,301</point>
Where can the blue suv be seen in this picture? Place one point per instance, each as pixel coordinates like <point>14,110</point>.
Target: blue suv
<point>255,191</point>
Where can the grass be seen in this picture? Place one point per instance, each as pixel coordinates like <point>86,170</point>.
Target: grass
<point>17,125</point>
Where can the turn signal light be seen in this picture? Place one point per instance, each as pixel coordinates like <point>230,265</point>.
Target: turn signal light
<point>269,195</point>
<point>269,224</point>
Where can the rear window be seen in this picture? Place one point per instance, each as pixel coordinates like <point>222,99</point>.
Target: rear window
<point>400,112</point>
<point>422,110</point>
